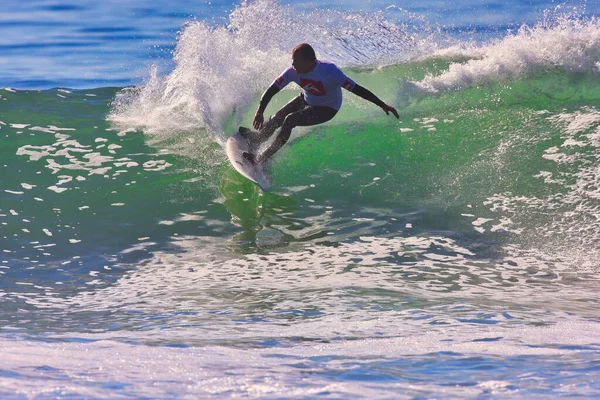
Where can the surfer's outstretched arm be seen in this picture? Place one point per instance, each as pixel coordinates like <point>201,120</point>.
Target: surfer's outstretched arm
<point>259,117</point>
<point>368,95</point>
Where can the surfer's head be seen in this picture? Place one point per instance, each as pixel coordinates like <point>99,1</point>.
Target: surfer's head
<point>304,58</point>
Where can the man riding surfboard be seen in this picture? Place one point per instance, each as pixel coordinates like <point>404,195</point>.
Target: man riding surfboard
<point>319,102</point>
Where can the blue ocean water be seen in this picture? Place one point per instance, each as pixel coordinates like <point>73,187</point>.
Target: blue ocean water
<point>453,253</point>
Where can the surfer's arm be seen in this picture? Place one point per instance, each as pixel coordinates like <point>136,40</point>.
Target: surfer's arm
<point>264,101</point>
<point>369,96</point>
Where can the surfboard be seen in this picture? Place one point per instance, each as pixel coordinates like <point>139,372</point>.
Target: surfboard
<point>236,145</point>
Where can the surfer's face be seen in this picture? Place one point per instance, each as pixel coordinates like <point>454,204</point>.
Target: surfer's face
<point>301,65</point>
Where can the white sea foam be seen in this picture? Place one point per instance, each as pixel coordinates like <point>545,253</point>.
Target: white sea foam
<point>68,154</point>
<point>567,218</point>
<point>107,368</point>
<point>564,42</point>
<point>473,308</point>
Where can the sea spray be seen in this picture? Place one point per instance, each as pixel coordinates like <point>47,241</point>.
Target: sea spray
<point>565,42</point>
<point>220,70</point>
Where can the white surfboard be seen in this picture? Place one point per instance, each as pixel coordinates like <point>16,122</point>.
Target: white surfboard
<point>235,147</point>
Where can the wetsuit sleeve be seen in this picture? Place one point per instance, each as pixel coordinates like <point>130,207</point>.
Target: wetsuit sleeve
<point>267,96</point>
<point>367,95</point>
<point>278,84</point>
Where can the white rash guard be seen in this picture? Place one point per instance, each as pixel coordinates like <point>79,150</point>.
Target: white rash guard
<point>322,86</point>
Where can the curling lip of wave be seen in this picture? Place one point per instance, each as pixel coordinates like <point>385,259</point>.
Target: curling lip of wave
<point>569,43</point>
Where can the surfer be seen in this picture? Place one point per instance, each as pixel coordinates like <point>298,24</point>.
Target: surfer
<point>320,100</point>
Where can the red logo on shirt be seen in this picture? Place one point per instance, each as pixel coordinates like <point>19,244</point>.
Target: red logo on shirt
<point>348,85</point>
<point>279,80</point>
<point>313,87</point>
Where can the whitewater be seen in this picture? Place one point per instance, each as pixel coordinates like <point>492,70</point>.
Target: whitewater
<point>453,253</point>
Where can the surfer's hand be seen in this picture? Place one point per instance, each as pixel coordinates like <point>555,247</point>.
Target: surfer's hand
<point>390,109</point>
<point>259,118</point>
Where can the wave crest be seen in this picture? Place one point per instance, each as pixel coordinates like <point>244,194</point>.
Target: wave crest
<point>560,41</point>
<point>220,70</point>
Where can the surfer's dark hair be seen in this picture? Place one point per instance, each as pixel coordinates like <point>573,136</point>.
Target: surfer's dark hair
<point>305,51</point>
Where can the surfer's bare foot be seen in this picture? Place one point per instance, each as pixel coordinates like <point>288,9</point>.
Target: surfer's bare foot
<point>246,133</point>
<point>249,156</point>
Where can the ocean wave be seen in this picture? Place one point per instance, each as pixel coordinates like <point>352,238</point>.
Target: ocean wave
<point>565,42</point>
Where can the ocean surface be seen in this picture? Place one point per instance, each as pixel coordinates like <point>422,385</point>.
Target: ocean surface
<point>453,253</point>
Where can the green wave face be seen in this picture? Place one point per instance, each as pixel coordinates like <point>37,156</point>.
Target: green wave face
<point>511,163</point>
